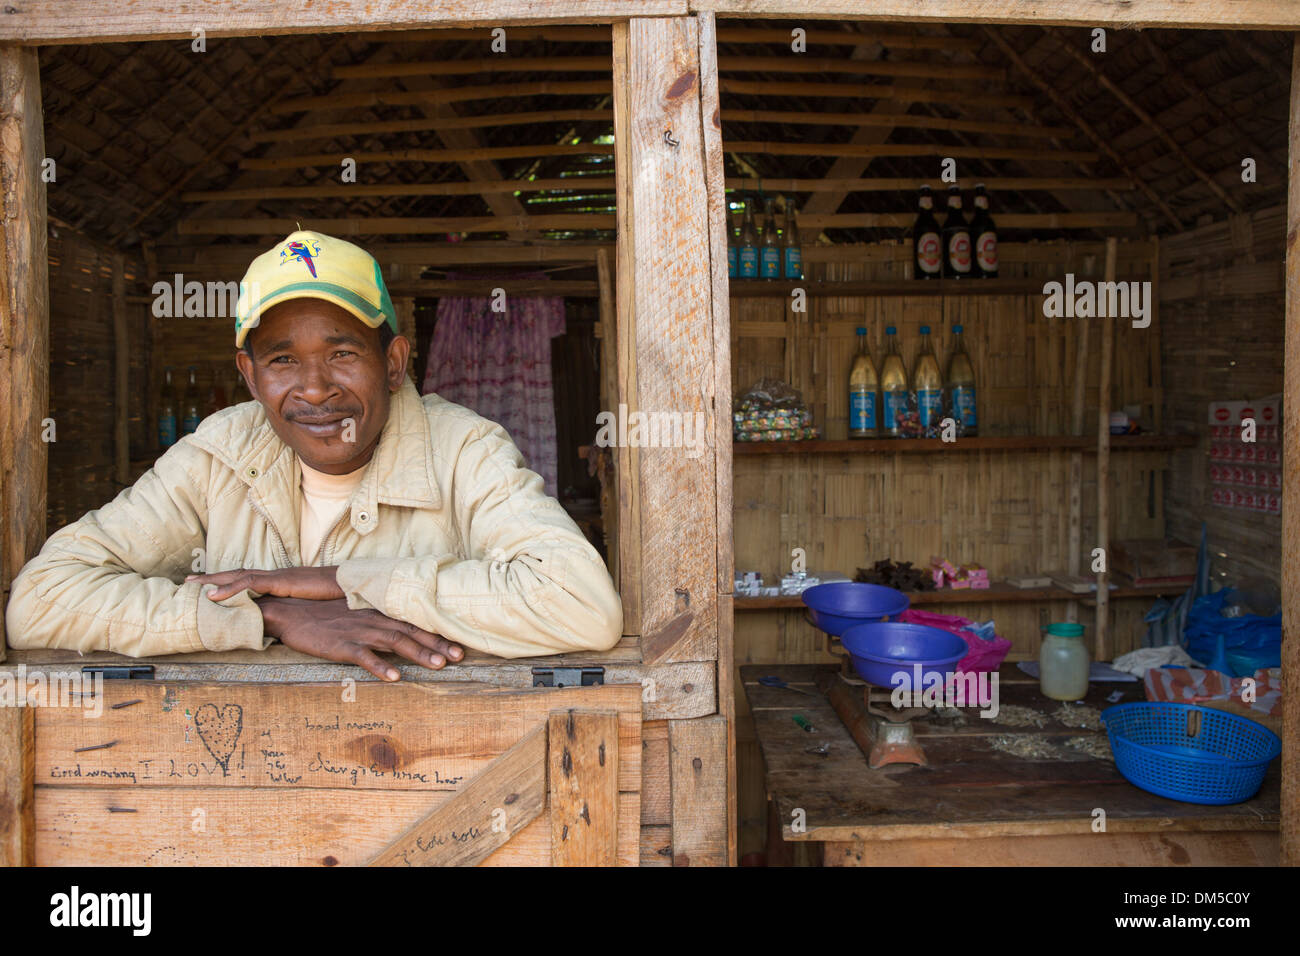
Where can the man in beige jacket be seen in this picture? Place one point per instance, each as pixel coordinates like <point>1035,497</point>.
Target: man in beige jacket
<point>339,513</point>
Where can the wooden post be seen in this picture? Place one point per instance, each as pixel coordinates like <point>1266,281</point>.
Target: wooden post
<point>121,376</point>
<point>1074,540</point>
<point>1291,489</point>
<point>582,757</point>
<point>24,402</point>
<point>664,304</point>
<point>715,184</point>
<point>1102,636</point>
<point>24,315</point>
<point>610,511</point>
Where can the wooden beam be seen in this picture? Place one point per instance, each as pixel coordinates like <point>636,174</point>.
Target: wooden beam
<point>817,36</point>
<point>72,21</point>
<point>1070,113</point>
<point>430,155</point>
<point>906,184</point>
<point>1101,631</point>
<point>899,94</point>
<point>477,67</point>
<point>354,190</point>
<point>428,288</point>
<point>347,101</point>
<point>832,65</point>
<point>582,759</point>
<point>358,129</point>
<point>893,120</point>
<point>394,226</point>
<point>497,803</point>
<point>360,226</point>
<point>1291,489</point>
<point>24,315</point>
<point>1133,14</point>
<point>1147,120</point>
<point>204,259</point>
<point>895,150</point>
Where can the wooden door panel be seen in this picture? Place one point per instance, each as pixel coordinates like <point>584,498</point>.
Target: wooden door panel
<point>265,774</point>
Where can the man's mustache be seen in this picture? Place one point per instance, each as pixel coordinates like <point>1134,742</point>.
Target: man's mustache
<point>320,414</point>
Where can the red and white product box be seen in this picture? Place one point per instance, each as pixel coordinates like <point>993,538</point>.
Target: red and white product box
<point>1226,413</point>
<point>1217,495</point>
<point>1275,504</point>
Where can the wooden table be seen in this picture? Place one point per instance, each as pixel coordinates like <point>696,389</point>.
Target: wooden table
<point>975,804</point>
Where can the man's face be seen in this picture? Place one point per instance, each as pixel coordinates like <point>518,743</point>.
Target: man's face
<point>314,367</point>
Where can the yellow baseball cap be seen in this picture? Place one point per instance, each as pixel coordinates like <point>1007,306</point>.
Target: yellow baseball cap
<point>310,265</point>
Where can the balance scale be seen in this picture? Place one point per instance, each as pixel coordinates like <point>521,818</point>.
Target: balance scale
<point>888,739</point>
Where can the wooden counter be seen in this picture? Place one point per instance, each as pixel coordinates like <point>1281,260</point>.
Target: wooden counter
<point>975,804</point>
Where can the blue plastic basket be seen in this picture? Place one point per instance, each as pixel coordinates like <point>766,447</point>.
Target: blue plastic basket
<point>1189,753</point>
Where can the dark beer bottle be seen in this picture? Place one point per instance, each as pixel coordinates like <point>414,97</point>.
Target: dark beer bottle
<point>927,248</point>
<point>956,239</point>
<point>984,235</point>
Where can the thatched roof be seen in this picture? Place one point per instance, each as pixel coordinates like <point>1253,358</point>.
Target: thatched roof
<point>160,144</point>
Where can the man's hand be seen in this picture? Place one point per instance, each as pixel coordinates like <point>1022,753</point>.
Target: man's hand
<point>330,630</point>
<point>312,584</point>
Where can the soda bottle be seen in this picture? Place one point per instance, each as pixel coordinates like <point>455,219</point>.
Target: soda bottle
<point>926,245</point>
<point>770,261</point>
<point>893,386</point>
<point>190,406</point>
<point>984,235</point>
<point>864,388</point>
<point>928,383</point>
<point>748,253</point>
<point>167,419</point>
<point>961,384</point>
<point>956,239</point>
<point>792,260</point>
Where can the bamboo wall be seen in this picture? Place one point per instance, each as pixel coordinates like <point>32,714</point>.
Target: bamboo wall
<point>82,357</point>
<point>1005,509</point>
<point>1223,300</point>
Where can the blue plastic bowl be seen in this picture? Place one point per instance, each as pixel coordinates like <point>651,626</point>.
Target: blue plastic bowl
<point>1189,753</point>
<point>840,605</point>
<point>882,651</point>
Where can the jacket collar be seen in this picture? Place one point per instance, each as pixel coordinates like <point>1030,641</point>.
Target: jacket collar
<point>400,472</point>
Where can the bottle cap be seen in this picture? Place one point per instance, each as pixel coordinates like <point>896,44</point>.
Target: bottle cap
<point>925,330</point>
<point>890,330</point>
<point>862,330</point>
<point>957,329</point>
<point>1063,629</point>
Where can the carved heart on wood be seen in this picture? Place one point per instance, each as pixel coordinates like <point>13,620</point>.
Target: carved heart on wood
<point>219,730</point>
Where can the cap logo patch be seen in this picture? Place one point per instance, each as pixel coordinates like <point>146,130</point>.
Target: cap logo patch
<point>305,252</point>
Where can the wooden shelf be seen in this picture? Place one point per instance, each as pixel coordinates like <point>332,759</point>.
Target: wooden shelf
<point>1085,443</point>
<point>997,592</point>
<point>781,288</point>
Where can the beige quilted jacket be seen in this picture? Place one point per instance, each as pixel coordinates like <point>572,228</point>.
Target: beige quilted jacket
<point>447,531</point>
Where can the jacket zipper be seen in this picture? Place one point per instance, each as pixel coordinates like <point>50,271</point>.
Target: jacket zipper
<point>279,539</point>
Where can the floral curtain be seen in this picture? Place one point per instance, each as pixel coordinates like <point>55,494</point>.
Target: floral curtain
<point>499,365</point>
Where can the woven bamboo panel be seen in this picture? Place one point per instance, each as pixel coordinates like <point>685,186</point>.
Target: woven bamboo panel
<point>82,376</point>
<point>1223,301</point>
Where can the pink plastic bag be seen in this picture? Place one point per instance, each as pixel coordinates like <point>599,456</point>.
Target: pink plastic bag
<point>984,655</point>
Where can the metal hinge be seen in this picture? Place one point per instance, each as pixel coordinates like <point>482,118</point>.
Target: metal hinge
<point>568,676</point>
<point>121,671</point>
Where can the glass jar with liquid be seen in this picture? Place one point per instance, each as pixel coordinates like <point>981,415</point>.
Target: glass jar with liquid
<point>1063,662</point>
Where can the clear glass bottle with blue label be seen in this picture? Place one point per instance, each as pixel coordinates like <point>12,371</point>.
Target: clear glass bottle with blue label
<point>960,382</point>
<point>893,386</point>
<point>864,392</point>
<point>928,383</point>
<point>747,254</point>
<point>168,420</point>
<point>770,252</point>
<point>792,252</point>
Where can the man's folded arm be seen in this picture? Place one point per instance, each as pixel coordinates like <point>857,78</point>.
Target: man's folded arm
<point>533,584</point>
<point>108,582</point>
